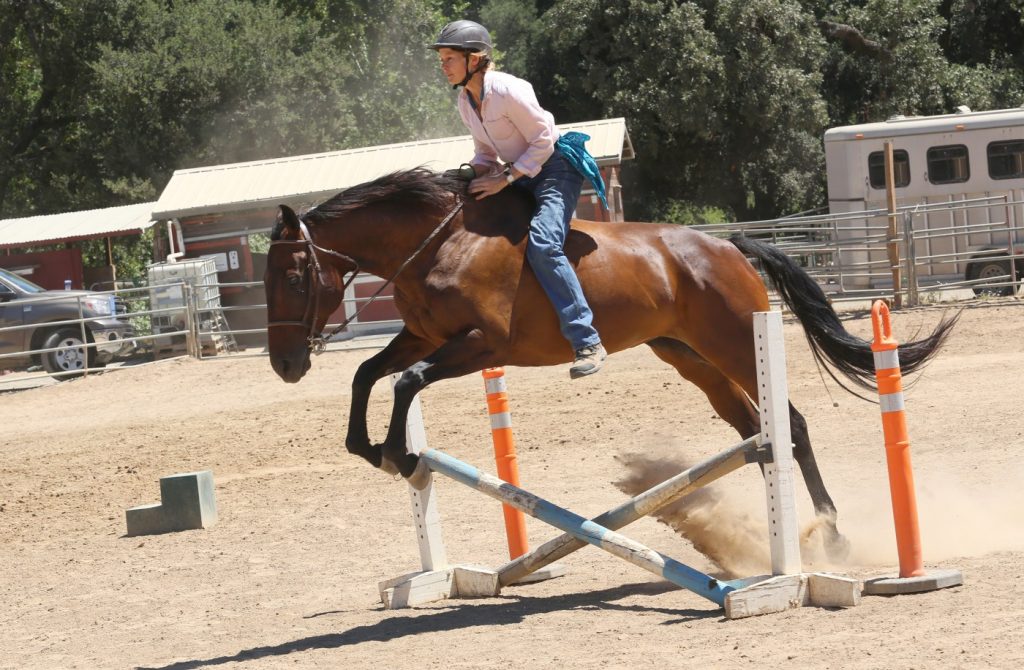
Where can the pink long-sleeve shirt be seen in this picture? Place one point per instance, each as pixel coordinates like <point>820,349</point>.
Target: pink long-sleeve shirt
<point>512,126</point>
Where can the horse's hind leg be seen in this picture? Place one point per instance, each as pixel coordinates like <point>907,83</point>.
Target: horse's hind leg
<point>836,545</point>
<point>734,406</point>
<point>726,397</point>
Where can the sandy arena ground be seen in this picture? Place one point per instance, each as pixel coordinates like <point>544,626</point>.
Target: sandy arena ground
<point>287,578</point>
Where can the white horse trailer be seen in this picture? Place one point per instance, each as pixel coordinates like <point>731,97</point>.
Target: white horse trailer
<point>964,175</point>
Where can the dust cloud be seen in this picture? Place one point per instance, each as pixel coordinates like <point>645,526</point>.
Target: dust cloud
<point>730,529</point>
<point>955,520</point>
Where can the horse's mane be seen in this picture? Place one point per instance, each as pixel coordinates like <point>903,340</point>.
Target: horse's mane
<point>416,187</point>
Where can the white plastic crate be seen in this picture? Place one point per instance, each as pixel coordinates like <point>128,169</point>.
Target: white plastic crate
<point>167,293</point>
<point>200,273</point>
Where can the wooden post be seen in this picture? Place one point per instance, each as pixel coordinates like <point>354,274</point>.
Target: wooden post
<point>615,196</point>
<point>436,580</point>
<point>892,236</point>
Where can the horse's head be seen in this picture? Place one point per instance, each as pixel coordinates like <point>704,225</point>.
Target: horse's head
<point>303,288</point>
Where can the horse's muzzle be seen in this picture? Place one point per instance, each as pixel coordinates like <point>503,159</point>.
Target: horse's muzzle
<point>291,368</point>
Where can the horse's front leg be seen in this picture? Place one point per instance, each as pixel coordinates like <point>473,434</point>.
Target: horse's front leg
<point>459,356</point>
<point>401,352</point>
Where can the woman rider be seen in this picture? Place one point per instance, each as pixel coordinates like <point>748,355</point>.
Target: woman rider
<point>516,142</point>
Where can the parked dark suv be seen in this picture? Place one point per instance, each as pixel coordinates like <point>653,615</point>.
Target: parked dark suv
<point>23,303</point>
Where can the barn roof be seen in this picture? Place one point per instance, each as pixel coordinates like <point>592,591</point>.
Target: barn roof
<point>300,179</point>
<point>73,226</point>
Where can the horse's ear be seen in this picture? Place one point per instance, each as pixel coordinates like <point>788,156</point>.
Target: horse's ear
<point>288,217</point>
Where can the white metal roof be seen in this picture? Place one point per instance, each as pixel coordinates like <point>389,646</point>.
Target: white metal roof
<point>240,186</point>
<point>899,126</point>
<point>51,228</point>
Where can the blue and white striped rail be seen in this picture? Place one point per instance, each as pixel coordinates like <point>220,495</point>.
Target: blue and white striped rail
<point>637,507</point>
<point>583,529</point>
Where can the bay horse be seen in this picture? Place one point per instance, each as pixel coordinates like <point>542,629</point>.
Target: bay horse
<point>469,301</point>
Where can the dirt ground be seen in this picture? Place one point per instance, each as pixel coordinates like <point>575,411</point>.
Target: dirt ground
<point>288,576</point>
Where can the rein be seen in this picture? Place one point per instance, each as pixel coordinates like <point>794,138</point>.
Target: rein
<point>317,344</point>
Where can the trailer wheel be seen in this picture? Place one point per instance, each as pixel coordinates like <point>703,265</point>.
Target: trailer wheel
<point>987,268</point>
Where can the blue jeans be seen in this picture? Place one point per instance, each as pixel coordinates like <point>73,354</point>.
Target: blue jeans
<point>557,188</point>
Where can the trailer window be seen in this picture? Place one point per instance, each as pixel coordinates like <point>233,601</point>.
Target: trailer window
<point>900,168</point>
<point>1006,160</point>
<point>948,165</point>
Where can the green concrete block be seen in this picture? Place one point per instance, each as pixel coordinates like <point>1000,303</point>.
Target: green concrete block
<point>186,502</point>
<point>145,519</point>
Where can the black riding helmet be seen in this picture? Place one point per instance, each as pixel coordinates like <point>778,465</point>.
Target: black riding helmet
<point>467,37</point>
<point>464,36</point>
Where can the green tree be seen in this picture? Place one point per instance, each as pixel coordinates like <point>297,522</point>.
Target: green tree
<point>46,47</point>
<point>654,63</point>
<point>100,101</point>
<point>723,103</point>
<point>131,255</point>
<point>726,100</point>
<point>985,47</point>
<point>984,32</point>
<point>772,115</point>
<point>904,77</point>
<point>518,36</point>
<point>222,81</point>
<point>105,99</point>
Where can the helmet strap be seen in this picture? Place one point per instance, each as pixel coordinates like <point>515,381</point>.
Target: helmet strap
<point>484,60</point>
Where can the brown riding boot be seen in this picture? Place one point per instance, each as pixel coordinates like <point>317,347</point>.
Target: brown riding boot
<point>588,361</point>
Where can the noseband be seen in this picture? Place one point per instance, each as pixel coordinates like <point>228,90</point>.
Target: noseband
<point>318,279</point>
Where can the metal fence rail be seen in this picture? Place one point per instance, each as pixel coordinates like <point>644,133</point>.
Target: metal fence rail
<point>845,253</point>
<point>193,328</point>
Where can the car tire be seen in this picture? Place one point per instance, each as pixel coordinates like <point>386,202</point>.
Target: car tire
<point>69,361</point>
<point>984,268</point>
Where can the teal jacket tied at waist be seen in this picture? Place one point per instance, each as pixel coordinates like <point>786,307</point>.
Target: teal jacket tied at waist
<point>572,146</point>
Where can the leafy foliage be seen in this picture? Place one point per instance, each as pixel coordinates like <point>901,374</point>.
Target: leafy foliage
<point>726,100</point>
<point>130,255</point>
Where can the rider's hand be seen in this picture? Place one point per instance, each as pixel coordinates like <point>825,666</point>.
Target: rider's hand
<point>482,187</point>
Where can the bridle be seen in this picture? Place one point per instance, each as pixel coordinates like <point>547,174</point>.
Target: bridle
<point>316,273</point>
<point>318,279</point>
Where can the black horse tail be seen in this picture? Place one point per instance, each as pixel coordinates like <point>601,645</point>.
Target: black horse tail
<point>829,340</point>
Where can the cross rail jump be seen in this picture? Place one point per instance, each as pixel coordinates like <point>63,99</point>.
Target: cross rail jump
<point>787,587</point>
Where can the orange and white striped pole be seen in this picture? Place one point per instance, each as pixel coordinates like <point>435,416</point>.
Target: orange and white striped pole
<point>505,456</point>
<point>897,443</point>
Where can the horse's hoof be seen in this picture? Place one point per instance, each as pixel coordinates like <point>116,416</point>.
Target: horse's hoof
<point>388,467</point>
<point>420,477</point>
<point>837,547</point>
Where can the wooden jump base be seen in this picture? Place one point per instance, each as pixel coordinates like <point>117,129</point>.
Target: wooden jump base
<point>787,587</point>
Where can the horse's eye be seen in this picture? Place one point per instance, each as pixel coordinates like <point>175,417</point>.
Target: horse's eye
<point>294,280</point>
